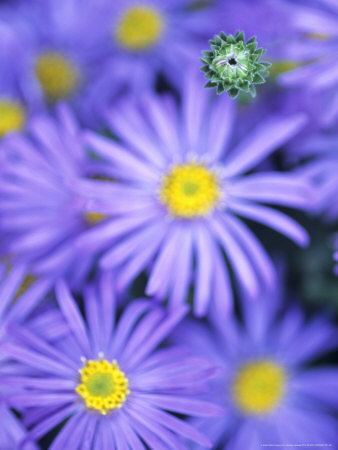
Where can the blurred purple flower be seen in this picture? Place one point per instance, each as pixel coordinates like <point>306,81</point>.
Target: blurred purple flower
<point>314,45</point>
<point>270,394</point>
<point>143,39</point>
<point>179,188</point>
<point>124,390</point>
<point>40,213</point>
<point>53,54</point>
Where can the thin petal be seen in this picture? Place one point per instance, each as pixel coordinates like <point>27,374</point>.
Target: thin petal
<point>273,219</point>
<point>260,143</point>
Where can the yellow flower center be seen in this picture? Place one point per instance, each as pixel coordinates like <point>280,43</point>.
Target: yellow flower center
<point>282,66</point>
<point>139,28</point>
<point>57,75</point>
<point>190,190</point>
<point>92,218</point>
<point>25,285</point>
<point>319,36</point>
<point>258,387</point>
<point>103,386</point>
<point>12,117</point>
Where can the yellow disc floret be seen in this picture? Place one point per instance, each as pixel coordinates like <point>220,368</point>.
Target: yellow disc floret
<point>12,117</point>
<point>258,387</point>
<point>27,282</point>
<point>282,66</point>
<point>103,386</point>
<point>93,218</point>
<point>139,28</point>
<point>190,190</point>
<point>57,75</point>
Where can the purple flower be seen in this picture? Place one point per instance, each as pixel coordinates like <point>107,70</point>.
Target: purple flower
<point>181,182</point>
<point>108,378</point>
<point>144,39</point>
<point>40,214</point>
<point>313,44</point>
<point>53,54</point>
<point>270,394</point>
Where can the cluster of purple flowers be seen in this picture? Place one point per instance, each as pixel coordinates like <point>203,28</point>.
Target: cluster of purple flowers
<point>146,300</point>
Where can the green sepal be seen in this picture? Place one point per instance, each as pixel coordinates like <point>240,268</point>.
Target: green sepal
<point>233,92</point>
<point>240,36</point>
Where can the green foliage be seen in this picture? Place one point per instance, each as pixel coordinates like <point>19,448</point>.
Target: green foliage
<point>232,65</point>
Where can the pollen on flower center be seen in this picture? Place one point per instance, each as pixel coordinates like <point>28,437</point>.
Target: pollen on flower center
<point>139,28</point>
<point>103,386</point>
<point>258,387</point>
<point>12,117</point>
<point>190,190</point>
<point>57,75</point>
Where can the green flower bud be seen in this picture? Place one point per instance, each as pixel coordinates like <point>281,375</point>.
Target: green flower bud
<point>233,65</point>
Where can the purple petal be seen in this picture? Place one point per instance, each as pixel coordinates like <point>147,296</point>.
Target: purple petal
<point>260,143</point>
<point>237,258</point>
<point>273,219</point>
<point>72,315</point>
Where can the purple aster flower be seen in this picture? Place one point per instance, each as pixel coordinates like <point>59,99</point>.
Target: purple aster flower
<point>270,394</point>
<point>108,378</point>
<point>53,56</point>
<point>40,214</point>
<point>181,183</point>
<point>313,45</point>
<point>143,39</point>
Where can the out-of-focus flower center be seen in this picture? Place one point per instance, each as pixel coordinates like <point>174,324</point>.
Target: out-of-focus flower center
<point>258,387</point>
<point>190,190</point>
<point>12,117</point>
<point>93,218</point>
<point>25,285</point>
<point>103,386</point>
<point>57,75</point>
<point>139,28</point>
<point>279,67</point>
<point>319,36</point>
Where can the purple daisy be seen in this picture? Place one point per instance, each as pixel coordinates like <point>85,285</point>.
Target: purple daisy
<point>313,45</point>
<point>270,394</point>
<point>56,58</point>
<point>40,214</point>
<point>148,37</point>
<point>108,378</point>
<point>180,184</point>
